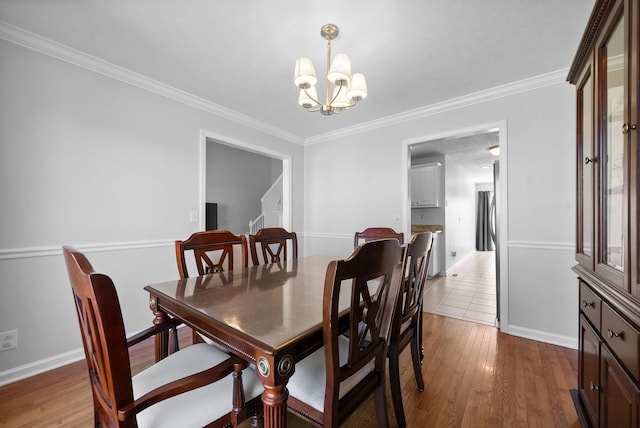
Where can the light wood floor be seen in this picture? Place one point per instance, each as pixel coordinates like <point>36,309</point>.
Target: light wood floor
<point>475,376</point>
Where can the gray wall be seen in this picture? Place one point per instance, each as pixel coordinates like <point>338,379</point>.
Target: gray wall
<point>236,180</point>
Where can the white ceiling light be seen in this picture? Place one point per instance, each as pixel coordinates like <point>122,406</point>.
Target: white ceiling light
<point>495,150</point>
<point>348,89</point>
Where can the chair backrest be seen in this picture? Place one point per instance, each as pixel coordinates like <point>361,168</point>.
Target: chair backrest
<point>374,233</point>
<point>273,245</point>
<point>415,266</point>
<point>103,334</point>
<point>376,265</point>
<point>213,250</point>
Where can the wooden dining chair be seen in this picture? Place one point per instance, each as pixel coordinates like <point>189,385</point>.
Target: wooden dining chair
<point>328,385</point>
<point>213,251</point>
<point>406,328</point>
<point>194,387</point>
<point>272,242</point>
<point>373,233</point>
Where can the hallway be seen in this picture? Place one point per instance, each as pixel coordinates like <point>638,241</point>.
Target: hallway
<point>469,293</point>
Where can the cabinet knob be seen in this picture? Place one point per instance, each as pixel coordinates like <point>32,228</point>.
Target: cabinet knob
<point>593,387</point>
<point>626,128</point>
<point>588,304</point>
<point>613,334</point>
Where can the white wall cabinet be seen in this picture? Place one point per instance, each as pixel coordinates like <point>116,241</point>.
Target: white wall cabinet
<point>425,185</point>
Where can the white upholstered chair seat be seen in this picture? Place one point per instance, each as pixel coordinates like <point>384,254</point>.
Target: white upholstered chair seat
<point>309,379</point>
<point>204,403</point>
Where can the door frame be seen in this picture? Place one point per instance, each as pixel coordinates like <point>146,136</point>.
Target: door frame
<point>287,184</point>
<point>502,203</point>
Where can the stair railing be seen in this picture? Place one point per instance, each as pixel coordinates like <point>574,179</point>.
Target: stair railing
<point>257,224</point>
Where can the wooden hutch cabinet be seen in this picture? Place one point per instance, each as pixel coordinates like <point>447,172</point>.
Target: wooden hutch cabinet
<point>606,72</point>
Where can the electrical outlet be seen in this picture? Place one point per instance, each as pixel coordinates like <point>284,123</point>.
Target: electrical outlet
<point>8,340</point>
<point>193,216</point>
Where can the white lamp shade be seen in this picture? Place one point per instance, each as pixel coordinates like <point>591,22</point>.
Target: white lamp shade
<point>307,99</point>
<point>341,100</point>
<point>304,75</point>
<point>358,88</point>
<point>340,69</point>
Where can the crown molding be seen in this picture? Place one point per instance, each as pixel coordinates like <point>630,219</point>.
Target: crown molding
<point>524,85</point>
<point>78,58</point>
<point>65,53</point>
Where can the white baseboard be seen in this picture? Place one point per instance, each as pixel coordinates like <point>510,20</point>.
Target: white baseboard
<point>541,336</point>
<point>27,370</point>
<point>451,269</point>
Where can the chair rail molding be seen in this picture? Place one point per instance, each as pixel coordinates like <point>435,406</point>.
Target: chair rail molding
<point>56,250</point>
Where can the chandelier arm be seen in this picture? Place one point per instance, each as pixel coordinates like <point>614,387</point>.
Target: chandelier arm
<point>311,109</point>
<point>337,93</point>
<point>309,95</point>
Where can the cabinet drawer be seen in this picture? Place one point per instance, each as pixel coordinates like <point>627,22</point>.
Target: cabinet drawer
<point>622,338</point>
<point>590,304</point>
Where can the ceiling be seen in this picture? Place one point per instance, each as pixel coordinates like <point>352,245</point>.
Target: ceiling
<point>240,55</point>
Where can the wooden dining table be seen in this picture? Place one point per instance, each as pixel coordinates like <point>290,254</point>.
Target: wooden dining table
<point>270,315</point>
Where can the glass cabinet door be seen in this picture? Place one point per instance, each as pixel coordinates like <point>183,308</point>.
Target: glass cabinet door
<point>612,157</point>
<point>585,164</point>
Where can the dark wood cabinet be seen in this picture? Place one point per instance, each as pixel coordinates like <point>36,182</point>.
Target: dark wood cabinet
<point>619,406</point>
<point>589,370</point>
<point>606,72</point>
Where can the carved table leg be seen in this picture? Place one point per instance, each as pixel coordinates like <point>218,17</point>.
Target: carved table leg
<point>162,338</point>
<point>274,400</point>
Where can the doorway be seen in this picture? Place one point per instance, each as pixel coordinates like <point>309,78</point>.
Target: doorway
<point>208,139</point>
<point>468,168</point>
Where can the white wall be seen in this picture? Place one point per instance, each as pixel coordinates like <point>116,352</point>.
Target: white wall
<point>108,167</point>
<point>460,215</point>
<point>542,291</point>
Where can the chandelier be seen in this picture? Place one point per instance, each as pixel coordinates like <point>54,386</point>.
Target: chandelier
<point>348,89</point>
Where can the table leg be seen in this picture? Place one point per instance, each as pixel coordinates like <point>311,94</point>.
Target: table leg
<point>161,339</point>
<point>274,400</point>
